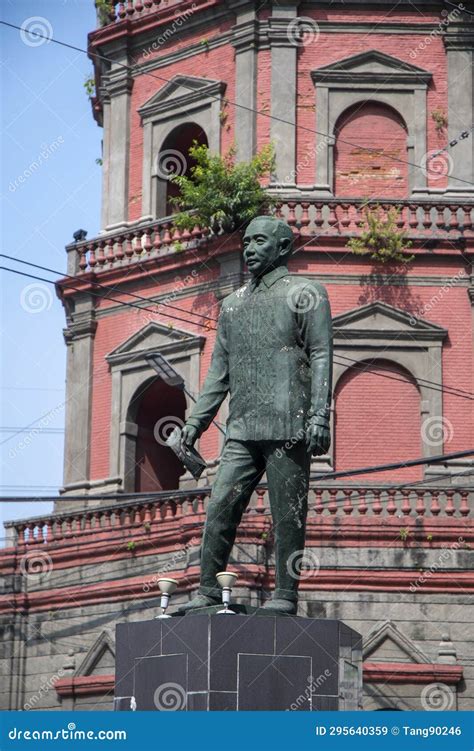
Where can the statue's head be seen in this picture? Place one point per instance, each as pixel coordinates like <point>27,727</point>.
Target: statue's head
<point>268,243</point>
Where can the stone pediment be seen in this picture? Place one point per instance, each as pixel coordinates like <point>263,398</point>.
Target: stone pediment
<point>378,320</point>
<point>183,91</point>
<point>152,337</point>
<point>100,658</point>
<point>388,644</point>
<point>371,66</point>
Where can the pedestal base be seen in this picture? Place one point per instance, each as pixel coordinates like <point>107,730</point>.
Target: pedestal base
<point>238,662</point>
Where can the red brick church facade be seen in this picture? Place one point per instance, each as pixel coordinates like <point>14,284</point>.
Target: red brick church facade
<point>358,100</point>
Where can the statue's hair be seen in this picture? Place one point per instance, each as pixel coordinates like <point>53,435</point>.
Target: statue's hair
<point>281,230</point>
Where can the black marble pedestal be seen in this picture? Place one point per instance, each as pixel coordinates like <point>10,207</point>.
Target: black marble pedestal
<point>237,662</point>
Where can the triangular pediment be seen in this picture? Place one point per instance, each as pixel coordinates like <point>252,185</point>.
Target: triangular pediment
<point>100,659</point>
<point>378,319</point>
<point>152,337</point>
<point>370,64</point>
<point>386,643</point>
<point>181,89</point>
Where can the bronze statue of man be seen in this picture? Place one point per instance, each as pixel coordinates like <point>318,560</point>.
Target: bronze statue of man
<point>273,355</point>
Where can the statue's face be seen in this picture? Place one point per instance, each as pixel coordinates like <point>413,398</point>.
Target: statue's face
<point>262,251</point>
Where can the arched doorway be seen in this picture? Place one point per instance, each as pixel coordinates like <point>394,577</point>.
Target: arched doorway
<point>376,172</point>
<point>377,421</point>
<point>156,409</point>
<point>174,159</point>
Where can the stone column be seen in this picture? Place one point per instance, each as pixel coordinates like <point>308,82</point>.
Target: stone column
<point>79,337</point>
<point>459,43</point>
<point>245,41</point>
<point>117,89</point>
<point>283,91</point>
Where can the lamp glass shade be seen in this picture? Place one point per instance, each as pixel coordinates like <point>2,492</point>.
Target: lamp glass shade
<point>226,579</point>
<point>167,586</point>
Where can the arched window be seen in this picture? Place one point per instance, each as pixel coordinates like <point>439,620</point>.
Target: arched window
<point>173,159</point>
<point>372,171</point>
<point>156,409</point>
<point>377,420</point>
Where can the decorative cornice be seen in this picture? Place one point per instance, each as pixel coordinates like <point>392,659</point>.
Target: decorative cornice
<point>245,36</point>
<point>82,326</point>
<point>373,672</point>
<point>116,84</point>
<point>416,329</point>
<point>395,71</point>
<point>85,685</point>
<point>198,90</point>
<point>408,672</point>
<point>250,575</point>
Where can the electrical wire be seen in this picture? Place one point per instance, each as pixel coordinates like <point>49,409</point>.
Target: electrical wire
<point>452,391</point>
<point>169,494</point>
<point>105,286</point>
<point>113,299</point>
<point>132,69</point>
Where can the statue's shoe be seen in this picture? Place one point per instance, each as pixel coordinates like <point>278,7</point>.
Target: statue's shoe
<point>285,607</point>
<point>200,601</point>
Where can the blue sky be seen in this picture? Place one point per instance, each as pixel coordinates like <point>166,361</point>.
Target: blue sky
<point>50,188</point>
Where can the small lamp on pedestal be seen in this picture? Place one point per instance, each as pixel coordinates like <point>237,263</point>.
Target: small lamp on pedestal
<point>166,587</point>
<point>226,580</point>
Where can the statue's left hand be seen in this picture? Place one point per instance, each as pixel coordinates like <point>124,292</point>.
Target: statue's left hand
<point>318,439</point>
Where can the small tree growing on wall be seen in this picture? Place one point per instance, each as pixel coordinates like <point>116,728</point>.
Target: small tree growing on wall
<point>220,193</point>
<point>380,237</point>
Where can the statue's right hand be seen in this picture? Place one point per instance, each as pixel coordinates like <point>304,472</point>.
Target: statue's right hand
<point>189,435</point>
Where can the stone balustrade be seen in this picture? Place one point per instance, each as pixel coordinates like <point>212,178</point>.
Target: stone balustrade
<point>341,218</point>
<point>408,507</point>
<point>133,9</point>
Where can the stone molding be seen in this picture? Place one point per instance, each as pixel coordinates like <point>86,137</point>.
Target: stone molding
<point>378,331</point>
<point>130,372</point>
<point>165,111</point>
<point>381,78</point>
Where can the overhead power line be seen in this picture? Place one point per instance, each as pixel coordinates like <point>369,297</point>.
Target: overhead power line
<point>452,391</point>
<point>131,69</point>
<point>167,494</point>
<point>113,299</point>
<point>106,287</point>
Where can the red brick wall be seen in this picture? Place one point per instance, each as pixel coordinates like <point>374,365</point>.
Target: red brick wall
<point>373,173</point>
<point>329,48</point>
<point>365,397</point>
<point>377,421</point>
